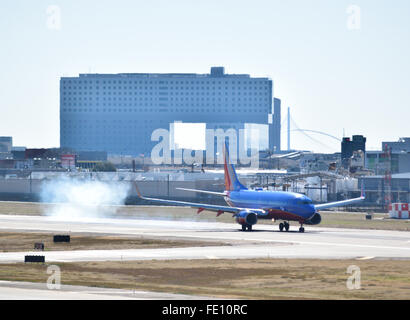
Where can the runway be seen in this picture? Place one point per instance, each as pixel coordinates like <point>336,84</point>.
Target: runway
<point>12,290</point>
<point>264,242</point>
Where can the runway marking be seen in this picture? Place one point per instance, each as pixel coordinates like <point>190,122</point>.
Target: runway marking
<point>211,257</point>
<point>365,258</point>
<point>290,242</point>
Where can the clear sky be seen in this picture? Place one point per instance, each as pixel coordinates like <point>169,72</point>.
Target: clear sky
<point>333,77</point>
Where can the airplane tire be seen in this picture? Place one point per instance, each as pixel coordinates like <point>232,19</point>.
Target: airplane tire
<point>243,227</point>
<point>287,227</point>
<point>281,227</point>
<point>301,229</point>
<point>249,228</point>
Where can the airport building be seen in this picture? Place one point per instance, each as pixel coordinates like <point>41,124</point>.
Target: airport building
<point>118,113</point>
<point>376,188</point>
<point>403,145</point>
<point>396,161</point>
<point>349,146</point>
<point>6,144</point>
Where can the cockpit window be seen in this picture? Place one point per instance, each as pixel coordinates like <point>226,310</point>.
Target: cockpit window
<point>304,201</point>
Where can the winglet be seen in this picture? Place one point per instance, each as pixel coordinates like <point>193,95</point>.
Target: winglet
<point>138,190</point>
<point>363,192</point>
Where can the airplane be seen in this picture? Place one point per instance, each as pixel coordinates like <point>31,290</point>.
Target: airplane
<point>247,206</point>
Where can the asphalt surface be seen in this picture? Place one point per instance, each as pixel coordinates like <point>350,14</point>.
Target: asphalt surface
<point>12,290</point>
<point>264,242</point>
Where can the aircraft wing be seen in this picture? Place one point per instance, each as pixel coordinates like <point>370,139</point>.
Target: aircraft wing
<point>204,191</point>
<point>338,203</point>
<point>199,206</point>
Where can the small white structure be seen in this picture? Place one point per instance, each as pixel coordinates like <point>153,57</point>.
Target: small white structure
<point>399,210</point>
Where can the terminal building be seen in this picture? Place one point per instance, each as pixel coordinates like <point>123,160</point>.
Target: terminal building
<point>117,113</point>
<point>403,145</point>
<point>397,161</point>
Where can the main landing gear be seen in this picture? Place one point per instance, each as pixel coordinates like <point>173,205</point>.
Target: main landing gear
<point>284,225</point>
<point>244,226</point>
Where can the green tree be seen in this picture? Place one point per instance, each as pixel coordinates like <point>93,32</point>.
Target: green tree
<point>104,167</point>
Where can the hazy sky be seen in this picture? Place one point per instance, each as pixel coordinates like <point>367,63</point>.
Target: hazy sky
<point>332,76</point>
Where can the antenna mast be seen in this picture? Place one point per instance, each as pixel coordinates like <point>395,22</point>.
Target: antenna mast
<point>387,177</point>
<point>288,128</point>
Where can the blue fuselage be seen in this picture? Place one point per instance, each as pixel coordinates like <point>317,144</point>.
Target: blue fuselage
<point>277,204</point>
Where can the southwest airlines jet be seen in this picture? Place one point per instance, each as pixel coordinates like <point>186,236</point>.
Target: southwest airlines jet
<point>247,206</point>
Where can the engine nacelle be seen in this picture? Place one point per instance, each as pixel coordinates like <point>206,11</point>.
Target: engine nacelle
<point>315,219</point>
<point>247,218</point>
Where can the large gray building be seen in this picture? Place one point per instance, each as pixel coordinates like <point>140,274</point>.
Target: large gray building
<point>117,113</point>
<point>6,143</point>
<point>399,157</point>
<point>403,145</point>
<point>376,188</point>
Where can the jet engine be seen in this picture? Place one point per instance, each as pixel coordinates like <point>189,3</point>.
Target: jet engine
<point>315,219</point>
<point>246,218</point>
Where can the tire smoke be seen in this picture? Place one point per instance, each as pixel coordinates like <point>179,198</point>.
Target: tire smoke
<point>76,199</point>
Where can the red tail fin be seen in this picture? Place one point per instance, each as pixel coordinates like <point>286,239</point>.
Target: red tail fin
<point>231,179</point>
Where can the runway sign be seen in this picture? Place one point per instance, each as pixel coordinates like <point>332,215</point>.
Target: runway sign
<point>41,259</point>
<point>39,246</point>
<point>61,238</point>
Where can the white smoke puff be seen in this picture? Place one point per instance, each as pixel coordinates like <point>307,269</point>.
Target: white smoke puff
<point>76,199</point>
